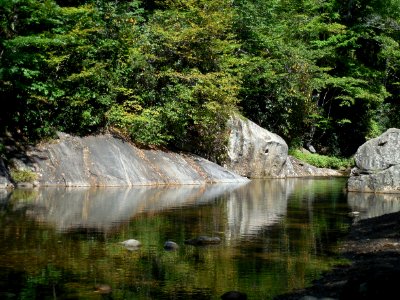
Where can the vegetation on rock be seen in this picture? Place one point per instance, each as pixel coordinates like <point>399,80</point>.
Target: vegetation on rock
<point>20,176</point>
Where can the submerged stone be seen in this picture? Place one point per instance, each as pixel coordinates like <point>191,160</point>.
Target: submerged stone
<point>203,240</point>
<point>234,295</point>
<point>171,246</point>
<point>131,244</point>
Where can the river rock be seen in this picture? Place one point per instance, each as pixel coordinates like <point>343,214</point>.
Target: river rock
<point>255,152</point>
<point>234,295</point>
<point>203,240</point>
<point>171,246</point>
<point>377,165</point>
<point>106,160</point>
<point>132,244</point>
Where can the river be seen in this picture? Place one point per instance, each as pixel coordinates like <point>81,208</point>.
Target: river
<point>276,236</point>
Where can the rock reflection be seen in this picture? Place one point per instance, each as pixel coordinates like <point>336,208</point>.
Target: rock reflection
<point>370,205</point>
<point>258,204</point>
<point>104,208</point>
<point>249,207</point>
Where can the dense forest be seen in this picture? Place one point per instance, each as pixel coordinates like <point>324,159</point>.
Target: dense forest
<point>169,73</point>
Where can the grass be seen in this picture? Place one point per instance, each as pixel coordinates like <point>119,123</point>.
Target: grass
<point>23,176</point>
<point>323,161</point>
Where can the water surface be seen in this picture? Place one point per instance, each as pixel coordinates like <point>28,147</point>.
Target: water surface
<point>277,235</point>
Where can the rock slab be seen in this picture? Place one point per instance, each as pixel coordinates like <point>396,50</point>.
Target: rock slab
<point>377,165</point>
<point>105,160</point>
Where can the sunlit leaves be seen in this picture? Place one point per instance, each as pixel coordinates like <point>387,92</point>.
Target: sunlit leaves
<point>170,72</point>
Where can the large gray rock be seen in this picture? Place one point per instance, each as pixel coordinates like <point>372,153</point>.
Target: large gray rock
<point>255,152</point>
<point>378,165</point>
<point>108,161</point>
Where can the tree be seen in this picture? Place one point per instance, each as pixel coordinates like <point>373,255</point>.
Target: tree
<point>192,84</point>
<point>316,72</point>
<point>58,63</point>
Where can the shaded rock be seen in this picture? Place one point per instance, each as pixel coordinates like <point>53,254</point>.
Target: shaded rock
<point>374,250</point>
<point>171,246</point>
<point>5,181</point>
<point>377,165</point>
<point>203,240</point>
<point>234,295</point>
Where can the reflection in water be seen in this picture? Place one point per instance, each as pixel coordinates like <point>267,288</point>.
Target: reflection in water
<point>371,205</point>
<point>276,235</point>
<point>104,208</point>
<point>259,204</point>
<point>250,206</point>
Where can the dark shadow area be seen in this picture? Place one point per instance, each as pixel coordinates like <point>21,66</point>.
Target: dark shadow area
<point>373,247</point>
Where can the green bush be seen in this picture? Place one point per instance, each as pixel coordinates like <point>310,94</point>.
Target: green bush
<point>322,161</point>
<point>23,176</point>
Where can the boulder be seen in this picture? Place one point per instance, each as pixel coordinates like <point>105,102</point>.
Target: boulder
<point>253,151</point>
<point>377,165</point>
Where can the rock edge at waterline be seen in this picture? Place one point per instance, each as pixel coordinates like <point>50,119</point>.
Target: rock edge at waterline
<point>255,152</point>
<point>105,160</point>
<point>377,165</point>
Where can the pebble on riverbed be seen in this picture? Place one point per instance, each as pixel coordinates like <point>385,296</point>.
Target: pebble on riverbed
<point>171,246</point>
<point>131,244</point>
<point>203,240</point>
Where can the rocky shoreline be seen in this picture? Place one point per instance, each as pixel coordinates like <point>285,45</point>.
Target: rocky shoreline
<point>373,248</point>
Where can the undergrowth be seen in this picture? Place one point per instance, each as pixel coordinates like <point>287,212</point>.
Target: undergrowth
<point>323,161</point>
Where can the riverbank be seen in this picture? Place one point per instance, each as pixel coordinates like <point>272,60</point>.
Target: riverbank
<point>373,248</point>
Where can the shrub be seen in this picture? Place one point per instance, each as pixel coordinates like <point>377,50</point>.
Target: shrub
<point>23,176</point>
<point>323,161</point>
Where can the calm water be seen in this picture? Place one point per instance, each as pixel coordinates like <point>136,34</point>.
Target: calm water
<point>277,235</point>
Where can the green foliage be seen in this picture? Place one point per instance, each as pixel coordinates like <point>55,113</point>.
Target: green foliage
<point>189,67</point>
<point>57,64</point>
<point>314,70</point>
<point>322,161</point>
<point>23,176</point>
<point>169,73</point>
